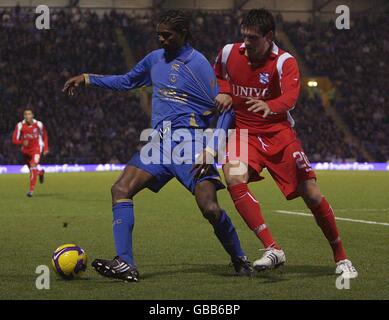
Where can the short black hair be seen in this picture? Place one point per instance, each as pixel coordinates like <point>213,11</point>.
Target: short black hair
<point>28,109</point>
<point>260,19</point>
<point>178,20</point>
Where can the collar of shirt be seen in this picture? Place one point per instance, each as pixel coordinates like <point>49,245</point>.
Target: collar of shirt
<point>183,54</point>
<point>33,121</point>
<point>273,53</point>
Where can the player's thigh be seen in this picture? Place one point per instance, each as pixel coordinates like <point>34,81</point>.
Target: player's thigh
<point>35,159</point>
<point>290,168</point>
<point>131,180</point>
<point>27,158</point>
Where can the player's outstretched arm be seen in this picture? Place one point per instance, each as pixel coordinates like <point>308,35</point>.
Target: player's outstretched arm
<point>138,77</point>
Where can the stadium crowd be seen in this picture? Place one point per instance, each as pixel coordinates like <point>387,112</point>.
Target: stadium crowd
<point>99,126</point>
<point>322,139</point>
<point>96,126</point>
<point>357,61</point>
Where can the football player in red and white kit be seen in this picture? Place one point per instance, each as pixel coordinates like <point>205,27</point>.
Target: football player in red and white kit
<point>262,83</point>
<point>32,136</point>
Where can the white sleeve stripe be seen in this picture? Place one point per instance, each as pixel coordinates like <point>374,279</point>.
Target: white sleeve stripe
<point>280,62</point>
<point>20,125</point>
<point>290,118</point>
<point>40,125</point>
<point>225,54</point>
<point>41,143</point>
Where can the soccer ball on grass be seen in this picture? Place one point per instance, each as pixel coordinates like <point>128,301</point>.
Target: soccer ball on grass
<point>69,261</point>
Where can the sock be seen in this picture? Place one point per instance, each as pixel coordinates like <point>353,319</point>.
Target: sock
<point>123,224</point>
<point>325,218</point>
<point>33,177</point>
<point>226,233</point>
<point>248,207</point>
<point>40,172</point>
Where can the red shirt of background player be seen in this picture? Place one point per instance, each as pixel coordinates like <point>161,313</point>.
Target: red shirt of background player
<point>32,137</point>
<point>276,81</point>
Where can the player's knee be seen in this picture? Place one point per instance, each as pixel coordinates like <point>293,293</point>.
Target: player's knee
<point>211,212</point>
<point>311,194</point>
<point>120,191</point>
<point>235,174</point>
<point>232,179</point>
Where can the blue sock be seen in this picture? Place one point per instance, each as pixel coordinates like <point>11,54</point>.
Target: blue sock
<point>123,223</point>
<point>226,233</point>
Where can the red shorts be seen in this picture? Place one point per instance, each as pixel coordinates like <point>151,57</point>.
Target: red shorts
<point>31,158</point>
<point>281,153</point>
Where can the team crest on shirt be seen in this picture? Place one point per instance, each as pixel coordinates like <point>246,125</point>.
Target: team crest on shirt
<point>264,77</point>
<point>173,78</point>
<point>175,66</point>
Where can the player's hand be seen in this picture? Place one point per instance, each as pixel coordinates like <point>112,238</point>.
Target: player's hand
<point>73,83</point>
<point>223,102</point>
<point>45,152</point>
<point>258,106</point>
<point>202,164</point>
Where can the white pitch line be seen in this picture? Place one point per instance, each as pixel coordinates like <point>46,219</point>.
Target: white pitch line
<point>364,209</point>
<point>337,218</point>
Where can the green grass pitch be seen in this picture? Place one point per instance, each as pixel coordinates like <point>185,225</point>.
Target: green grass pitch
<point>177,254</point>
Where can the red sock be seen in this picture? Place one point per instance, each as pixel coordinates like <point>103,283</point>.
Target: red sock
<point>325,218</point>
<point>33,177</point>
<point>248,207</point>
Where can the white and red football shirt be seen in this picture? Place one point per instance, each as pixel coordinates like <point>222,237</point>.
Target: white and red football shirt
<point>35,134</point>
<point>276,81</point>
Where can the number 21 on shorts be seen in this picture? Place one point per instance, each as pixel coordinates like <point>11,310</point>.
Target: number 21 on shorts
<point>302,161</point>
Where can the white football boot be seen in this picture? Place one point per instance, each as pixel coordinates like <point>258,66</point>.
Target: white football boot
<point>346,269</point>
<point>272,258</point>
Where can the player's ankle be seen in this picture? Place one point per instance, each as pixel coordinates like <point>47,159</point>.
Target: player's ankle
<point>274,245</point>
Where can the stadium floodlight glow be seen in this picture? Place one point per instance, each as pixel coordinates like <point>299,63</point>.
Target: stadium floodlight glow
<point>312,83</point>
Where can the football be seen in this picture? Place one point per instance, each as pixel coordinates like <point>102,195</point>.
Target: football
<point>69,261</point>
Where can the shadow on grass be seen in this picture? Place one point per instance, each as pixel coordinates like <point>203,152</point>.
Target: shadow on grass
<point>67,197</point>
<point>215,269</point>
<point>49,195</point>
<point>80,279</point>
<point>309,270</point>
<point>284,273</point>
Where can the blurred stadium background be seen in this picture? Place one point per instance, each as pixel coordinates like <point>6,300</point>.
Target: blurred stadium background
<point>343,116</point>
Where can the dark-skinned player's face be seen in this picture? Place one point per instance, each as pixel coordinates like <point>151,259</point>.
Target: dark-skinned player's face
<point>28,116</point>
<point>256,43</point>
<point>169,39</point>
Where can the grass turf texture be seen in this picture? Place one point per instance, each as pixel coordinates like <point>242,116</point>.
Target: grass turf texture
<point>177,254</point>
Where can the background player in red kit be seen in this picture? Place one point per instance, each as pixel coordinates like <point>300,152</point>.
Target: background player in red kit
<point>32,136</point>
<point>262,83</point>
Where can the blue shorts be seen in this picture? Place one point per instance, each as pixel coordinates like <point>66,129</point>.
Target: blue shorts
<point>163,172</point>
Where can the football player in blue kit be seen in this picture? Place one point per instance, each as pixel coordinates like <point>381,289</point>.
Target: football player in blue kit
<point>184,88</point>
